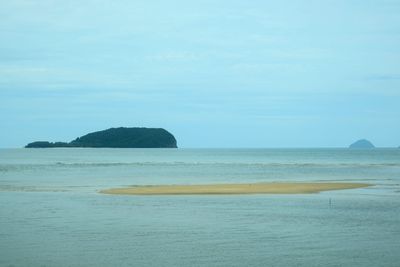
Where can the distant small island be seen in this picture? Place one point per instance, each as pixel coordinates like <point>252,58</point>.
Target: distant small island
<point>362,143</point>
<point>121,137</point>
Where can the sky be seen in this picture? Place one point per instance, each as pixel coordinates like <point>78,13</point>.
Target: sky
<point>214,73</point>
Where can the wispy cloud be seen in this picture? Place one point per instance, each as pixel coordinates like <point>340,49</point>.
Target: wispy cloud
<point>383,77</point>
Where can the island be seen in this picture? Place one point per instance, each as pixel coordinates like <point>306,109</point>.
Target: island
<point>362,143</point>
<point>122,137</point>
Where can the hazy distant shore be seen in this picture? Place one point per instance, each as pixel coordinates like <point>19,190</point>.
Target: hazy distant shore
<point>254,188</point>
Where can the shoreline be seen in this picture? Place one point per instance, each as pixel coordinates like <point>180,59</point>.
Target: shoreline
<point>233,189</point>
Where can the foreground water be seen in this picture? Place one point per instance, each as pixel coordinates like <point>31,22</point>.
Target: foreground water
<point>51,213</point>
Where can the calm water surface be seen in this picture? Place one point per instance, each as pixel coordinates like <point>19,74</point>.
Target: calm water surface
<point>52,215</point>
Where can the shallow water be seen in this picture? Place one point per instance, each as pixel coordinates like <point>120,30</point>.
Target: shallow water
<point>52,215</point>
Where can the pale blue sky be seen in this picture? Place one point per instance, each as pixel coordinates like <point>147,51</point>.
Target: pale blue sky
<point>214,73</point>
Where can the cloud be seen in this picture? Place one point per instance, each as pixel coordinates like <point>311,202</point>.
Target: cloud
<point>176,56</point>
<point>383,77</point>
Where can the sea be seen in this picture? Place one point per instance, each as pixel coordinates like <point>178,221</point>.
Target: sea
<point>52,214</point>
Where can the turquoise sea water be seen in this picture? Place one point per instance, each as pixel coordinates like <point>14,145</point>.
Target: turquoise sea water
<point>51,213</point>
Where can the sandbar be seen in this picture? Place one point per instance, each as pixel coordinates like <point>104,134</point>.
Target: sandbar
<point>226,189</point>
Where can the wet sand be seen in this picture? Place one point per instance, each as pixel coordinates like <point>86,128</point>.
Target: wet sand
<point>216,189</point>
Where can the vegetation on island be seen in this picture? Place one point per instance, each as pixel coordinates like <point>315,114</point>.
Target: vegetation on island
<point>122,137</point>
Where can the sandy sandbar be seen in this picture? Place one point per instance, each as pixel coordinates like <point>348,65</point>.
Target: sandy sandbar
<point>256,188</point>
